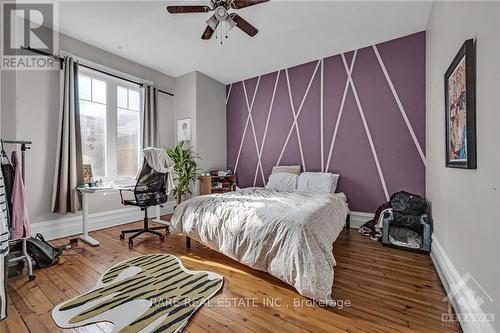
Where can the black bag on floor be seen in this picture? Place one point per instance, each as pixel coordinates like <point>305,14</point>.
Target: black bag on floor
<point>406,203</point>
<point>42,253</point>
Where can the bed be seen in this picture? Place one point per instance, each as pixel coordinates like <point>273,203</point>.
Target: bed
<point>287,234</point>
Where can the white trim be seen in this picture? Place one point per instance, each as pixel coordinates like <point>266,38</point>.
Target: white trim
<point>322,148</point>
<point>456,289</point>
<point>250,109</point>
<point>259,155</point>
<point>367,130</point>
<point>229,92</point>
<point>248,120</point>
<point>357,219</point>
<point>337,123</point>
<point>72,225</point>
<point>296,115</point>
<point>400,105</point>
<point>241,145</point>
<point>295,124</point>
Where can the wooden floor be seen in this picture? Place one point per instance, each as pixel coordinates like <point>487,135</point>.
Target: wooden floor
<point>388,290</point>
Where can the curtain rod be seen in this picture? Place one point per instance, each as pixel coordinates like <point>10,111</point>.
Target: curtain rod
<point>61,61</point>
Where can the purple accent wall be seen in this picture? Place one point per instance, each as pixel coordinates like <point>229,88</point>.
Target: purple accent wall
<point>396,133</point>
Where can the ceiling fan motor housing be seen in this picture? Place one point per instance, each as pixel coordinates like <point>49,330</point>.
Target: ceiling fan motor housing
<point>221,13</point>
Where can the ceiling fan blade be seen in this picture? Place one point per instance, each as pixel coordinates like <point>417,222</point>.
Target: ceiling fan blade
<point>244,25</point>
<point>188,9</point>
<point>238,4</point>
<point>207,34</point>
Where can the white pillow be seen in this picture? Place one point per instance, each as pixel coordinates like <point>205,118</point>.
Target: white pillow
<point>295,169</point>
<point>336,177</point>
<point>284,182</point>
<point>316,182</point>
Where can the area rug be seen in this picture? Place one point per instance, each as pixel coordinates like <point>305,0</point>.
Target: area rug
<point>153,293</point>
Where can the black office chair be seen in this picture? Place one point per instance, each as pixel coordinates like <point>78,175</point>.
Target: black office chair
<point>149,191</point>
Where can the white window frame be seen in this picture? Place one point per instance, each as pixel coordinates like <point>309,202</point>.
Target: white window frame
<point>112,84</point>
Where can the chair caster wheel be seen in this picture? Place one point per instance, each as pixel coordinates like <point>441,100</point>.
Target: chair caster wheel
<point>31,277</point>
<point>162,238</point>
<point>122,236</point>
<point>130,243</point>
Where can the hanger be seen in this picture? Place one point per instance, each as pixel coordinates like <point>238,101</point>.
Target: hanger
<point>3,154</point>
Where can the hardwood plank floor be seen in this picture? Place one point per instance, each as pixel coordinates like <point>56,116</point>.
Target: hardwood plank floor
<point>388,290</point>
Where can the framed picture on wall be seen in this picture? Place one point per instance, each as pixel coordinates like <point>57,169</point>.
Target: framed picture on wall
<point>184,129</point>
<point>460,113</point>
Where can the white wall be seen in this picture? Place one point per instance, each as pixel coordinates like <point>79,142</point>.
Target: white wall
<point>36,119</point>
<point>211,123</point>
<point>185,104</point>
<point>465,203</point>
<point>202,99</point>
<point>8,103</point>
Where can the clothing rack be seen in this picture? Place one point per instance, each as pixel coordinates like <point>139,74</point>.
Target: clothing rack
<point>24,252</point>
<point>61,65</point>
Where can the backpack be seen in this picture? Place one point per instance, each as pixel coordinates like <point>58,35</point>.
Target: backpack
<point>406,203</point>
<point>42,253</point>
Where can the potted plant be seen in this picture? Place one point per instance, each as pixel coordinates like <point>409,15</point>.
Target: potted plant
<point>184,168</point>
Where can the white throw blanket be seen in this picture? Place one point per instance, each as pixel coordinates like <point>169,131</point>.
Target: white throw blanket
<point>289,235</point>
<point>159,161</point>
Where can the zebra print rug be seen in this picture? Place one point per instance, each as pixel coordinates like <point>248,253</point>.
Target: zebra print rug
<point>152,293</point>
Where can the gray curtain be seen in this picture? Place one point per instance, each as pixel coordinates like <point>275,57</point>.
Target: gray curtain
<point>68,169</point>
<point>150,129</point>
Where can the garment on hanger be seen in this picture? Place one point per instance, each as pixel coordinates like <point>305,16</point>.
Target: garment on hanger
<point>4,209</point>
<point>20,227</point>
<point>8,180</point>
<point>4,248</point>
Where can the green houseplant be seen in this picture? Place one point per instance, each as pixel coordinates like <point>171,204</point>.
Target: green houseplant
<point>185,170</point>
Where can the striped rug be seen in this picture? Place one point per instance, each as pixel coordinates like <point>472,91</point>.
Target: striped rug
<point>152,293</point>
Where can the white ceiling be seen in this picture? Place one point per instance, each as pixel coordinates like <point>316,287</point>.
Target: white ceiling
<point>290,33</point>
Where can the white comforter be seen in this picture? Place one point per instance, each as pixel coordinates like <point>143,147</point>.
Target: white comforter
<point>289,235</point>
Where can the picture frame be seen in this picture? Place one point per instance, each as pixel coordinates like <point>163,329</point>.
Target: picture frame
<point>460,109</point>
<point>184,130</point>
<point>87,174</point>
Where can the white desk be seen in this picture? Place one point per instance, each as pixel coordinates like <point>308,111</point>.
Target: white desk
<point>85,208</point>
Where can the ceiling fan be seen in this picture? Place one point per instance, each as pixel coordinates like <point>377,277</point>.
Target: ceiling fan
<point>221,15</point>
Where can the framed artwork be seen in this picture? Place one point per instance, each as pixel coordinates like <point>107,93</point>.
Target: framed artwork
<point>87,174</point>
<point>184,129</point>
<point>460,113</point>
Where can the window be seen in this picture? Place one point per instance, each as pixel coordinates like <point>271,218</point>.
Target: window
<point>128,130</point>
<point>110,120</point>
<point>93,123</point>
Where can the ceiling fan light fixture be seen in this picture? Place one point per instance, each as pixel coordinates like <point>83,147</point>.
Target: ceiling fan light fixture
<point>230,23</point>
<point>213,22</point>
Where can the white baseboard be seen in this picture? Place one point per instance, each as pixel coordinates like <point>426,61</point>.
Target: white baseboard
<point>360,218</point>
<point>72,225</point>
<point>460,295</point>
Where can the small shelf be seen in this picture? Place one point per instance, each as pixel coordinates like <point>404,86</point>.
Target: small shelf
<point>207,182</point>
